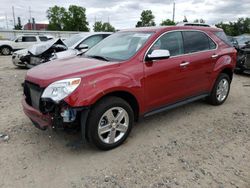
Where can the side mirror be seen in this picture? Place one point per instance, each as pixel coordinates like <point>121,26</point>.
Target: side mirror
<point>158,54</point>
<point>82,47</point>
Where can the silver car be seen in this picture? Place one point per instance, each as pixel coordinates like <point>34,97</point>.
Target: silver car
<point>76,44</point>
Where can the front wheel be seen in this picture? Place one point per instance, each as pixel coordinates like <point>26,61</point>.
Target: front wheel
<point>220,90</point>
<point>110,122</point>
<point>6,50</point>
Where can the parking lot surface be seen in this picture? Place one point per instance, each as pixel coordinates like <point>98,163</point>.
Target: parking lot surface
<point>196,145</point>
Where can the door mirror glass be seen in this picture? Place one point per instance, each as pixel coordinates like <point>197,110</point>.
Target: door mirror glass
<point>158,54</point>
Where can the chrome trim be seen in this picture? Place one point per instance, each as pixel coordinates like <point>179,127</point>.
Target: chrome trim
<point>184,64</point>
<point>144,59</point>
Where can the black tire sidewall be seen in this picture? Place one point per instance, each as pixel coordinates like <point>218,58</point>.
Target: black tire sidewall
<point>95,115</point>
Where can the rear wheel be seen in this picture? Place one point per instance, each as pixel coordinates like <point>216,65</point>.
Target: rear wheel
<point>6,50</point>
<point>220,90</point>
<point>110,122</point>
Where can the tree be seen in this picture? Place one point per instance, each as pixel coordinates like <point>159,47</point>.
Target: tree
<point>18,26</point>
<point>167,22</point>
<point>241,26</point>
<point>73,19</point>
<point>199,21</point>
<point>57,17</point>
<point>147,19</point>
<point>97,27</point>
<point>76,19</point>
<point>105,27</point>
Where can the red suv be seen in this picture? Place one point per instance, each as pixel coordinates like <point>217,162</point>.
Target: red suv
<point>131,74</point>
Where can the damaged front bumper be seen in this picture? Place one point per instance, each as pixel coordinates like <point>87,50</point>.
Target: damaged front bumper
<point>40,120</point>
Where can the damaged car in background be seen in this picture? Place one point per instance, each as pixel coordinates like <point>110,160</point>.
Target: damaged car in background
<point>57,49</point>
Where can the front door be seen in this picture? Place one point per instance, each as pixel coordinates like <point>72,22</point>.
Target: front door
<point>165,80</point>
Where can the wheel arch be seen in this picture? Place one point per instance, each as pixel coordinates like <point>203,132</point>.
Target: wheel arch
<point>5,45</point>
<point>128,97</point>
<point>228,71</point>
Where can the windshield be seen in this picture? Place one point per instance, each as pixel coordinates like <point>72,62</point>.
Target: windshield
<point>119,46</point>
<point>71,41</point>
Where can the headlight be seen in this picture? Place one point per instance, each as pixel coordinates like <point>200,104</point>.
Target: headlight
<point>61,89</point>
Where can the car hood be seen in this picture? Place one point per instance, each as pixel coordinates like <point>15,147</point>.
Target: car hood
<point>52,71</point>
<point>22,52</point>
<point>5,42</point>
<point>40,48</point>
<point>67,53</point>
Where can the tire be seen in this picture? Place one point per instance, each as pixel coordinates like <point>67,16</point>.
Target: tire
<point>5,50</point>
<point>102,131</point>
<point>220,90</point>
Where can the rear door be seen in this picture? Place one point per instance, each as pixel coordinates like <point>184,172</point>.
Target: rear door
<point>201,51</point>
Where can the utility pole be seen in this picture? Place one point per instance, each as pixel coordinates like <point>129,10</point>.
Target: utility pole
<point>174,11</point>
<point>6,20</point>
<point>14,18</point>
<point>31,28</point>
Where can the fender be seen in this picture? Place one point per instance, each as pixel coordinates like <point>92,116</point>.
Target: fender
<point>94,88</point>
<point>224,62</point>
<point>6,45</point>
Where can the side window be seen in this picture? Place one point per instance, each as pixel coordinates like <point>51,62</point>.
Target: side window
<point>92,41</point>
<point>212,44</point>
<point>170,41</point>
<point>43,38</point>
<point>29,39</point>
<point>19,39</point>
<point>223,37</point>
<point>195,41</point>
<point>105,35</point>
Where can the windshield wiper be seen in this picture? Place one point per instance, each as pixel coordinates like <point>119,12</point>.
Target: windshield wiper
<point>99,57</point>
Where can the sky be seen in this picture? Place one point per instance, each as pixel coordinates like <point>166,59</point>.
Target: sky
<point>125,13</point>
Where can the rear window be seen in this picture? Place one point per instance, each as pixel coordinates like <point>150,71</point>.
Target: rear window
<point>43,38</point>
<point>223,37</point>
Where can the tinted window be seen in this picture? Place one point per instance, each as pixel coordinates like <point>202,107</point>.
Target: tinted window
<point>29,39</point>
<point>212,44</point>
<point>92,41</point>
<point>195,41</point>
<point>43,38</point>
<point>223,37</point>
<point>170,41</point>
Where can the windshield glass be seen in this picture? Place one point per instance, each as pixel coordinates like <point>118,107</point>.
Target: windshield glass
<point>71,41</point>
<point>120,46</point>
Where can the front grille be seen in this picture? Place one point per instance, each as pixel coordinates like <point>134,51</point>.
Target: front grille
<point>33,93</point>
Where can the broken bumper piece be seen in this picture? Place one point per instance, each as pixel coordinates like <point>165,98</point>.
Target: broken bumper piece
<point>40,120</point>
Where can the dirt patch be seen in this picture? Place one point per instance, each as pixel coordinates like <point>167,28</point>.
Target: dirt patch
<point>197,145</point>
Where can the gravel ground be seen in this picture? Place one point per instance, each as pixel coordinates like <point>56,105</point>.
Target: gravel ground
<point>196,145</point>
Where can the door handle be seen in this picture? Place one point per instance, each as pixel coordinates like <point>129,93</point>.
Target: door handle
<point>184,64</point>
<point>214,56</point>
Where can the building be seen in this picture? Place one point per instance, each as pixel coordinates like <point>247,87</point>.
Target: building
<point>36,26</point>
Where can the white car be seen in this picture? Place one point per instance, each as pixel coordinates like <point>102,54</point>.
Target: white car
<point>21,42</point>
<point>40,53</point>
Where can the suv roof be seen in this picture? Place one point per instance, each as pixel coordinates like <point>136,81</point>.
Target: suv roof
<point>193,24</point>
<point>169,28</point>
